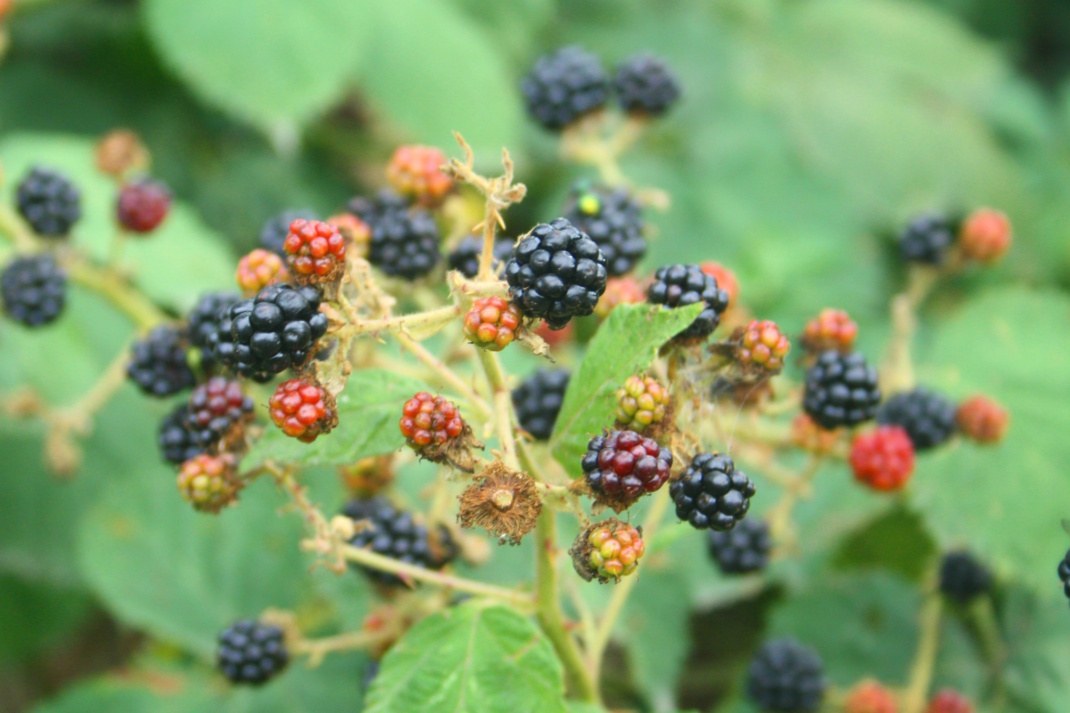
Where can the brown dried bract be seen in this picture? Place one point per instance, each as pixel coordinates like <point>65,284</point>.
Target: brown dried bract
<point>120,152</point>
<point>456,452</point>
<point>502,502</point>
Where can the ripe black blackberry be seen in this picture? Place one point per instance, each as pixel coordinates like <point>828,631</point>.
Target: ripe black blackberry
<point>277,227</point>
<point>272,332</point>
<point>926,239</point>
<point>204,319</point>
<point>215,407</point>
<point>538,400</point>
<point>786,677</point>
<point>646,85</point>
<point>556,273</point>
<point>683,285</point>
<point>745,548</point>
<point>158,362</point>
<point>963,578</point>
<point>711,493</point>
<point>251,652</point>
<point>387,531</point>
<point>465,257</point>
<point>34,290</point>
<point>404,241</point>
<point>614,220</point>
<point>926,416</point>
<point>175,437</point>
<point>1064,574</point>
<point>49,202</point>
<point>841,390</point>
<point>563,86</point>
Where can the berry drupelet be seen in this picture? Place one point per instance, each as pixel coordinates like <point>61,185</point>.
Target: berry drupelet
<point>277,227</point>
<point>926,416</point>
<point>387,531</point>
<point>841,390</point>
<point>538,400</point>
<point>404,242</point>
<point>786,677</point>
<point>564,86</point>
<point>158,363</point>
<point>743,549</point>
<point>556,273</point>
<point>926,239</point>
<point>251,652</point>
<point>143,205</point>
<point>646,85</point>
<point>34,290</point>
<point>614,220</point>
<point>49,202</point>
<point>620,466</point>
<point>465,257</point>
<point>682,285</point>
<point>963,578</point>
<point>711,493</point>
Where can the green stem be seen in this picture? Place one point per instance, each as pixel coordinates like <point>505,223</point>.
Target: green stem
<point>116,290</point>
<point>503,407</point>
<point>921,673</point>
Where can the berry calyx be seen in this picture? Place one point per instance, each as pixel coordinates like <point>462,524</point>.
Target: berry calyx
<point>143,205</point>
<point>620,466</point>
<point>303,409</point>
<point>786,677</point>
<point>641,402</point>
<point>492,323</point>
<point>985,235</point>
<point>963,578</point>
<point>712,493</point>
<point>883,458</point>
<point>209,482</point>
<point>34,290</point>
<point>258,269</point>
<point>841,390</point>
<point>926,416</point>
<point>982,420</point>
<point>158,362</point>
<point>830,329</point>
<point>870,697</point>
<point>743,549</point>
<point>537,401</point>
<point>682,285</point>
<point>645,85</point>
<point>251,652</point>
<point>949,701</point>
<point>763,347</point>
<point>430,420</point>
<point>315,251</point>
<point>415,171</point>
<point>564,86</point>
<point>49,202</point>
<point>607,550</point>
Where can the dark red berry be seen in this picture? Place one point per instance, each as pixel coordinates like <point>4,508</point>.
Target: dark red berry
<point>624,465</point>
<point>143,205</point>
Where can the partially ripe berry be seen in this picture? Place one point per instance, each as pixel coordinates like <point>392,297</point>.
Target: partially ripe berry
<point>985,235</point>
<point>763,347</point>
<point>830,329</point>
<point>620,466</point>
<point>948,701</point>
<point>208,482</point>
<point>492,323</point>
<point>315,251</point>
<point>612,550</point>
<point>726,279</point>
<point>982,420</point>
<point>642,402</point>
<point>416,171</point>
<point>143,205</point>
<point>430,420</point>
<point>259,269</point>
<point>355,231</point>
<point>883,458</point>
<point>870,697</point>
<point>303,409</point>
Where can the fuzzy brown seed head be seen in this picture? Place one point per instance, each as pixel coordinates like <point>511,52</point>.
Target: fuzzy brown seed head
<point>120,153</point>
<point>502,502</point>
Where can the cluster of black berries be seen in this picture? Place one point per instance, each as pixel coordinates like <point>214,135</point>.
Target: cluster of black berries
<point>786,677</point>
<point>390,532</point>
<point>251,652</point>
<point>745,548</point>
<point>34,290</point>
<point>569,83</point>
<point>538,400</point>
<point>158,362</point>
<point>465,257</point>
<point>613,219</point>
<point>684,285</point>
<point>404,239</point>
<point>49,202</point>
<point>841,390</point>
<point>926,416</point>
<point>927,239</point>
<point>711,493</point>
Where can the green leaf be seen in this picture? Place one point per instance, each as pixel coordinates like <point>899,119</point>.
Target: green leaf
<point>1038,667</point>
<point>896,540</point>
<point>269,62</point>
<point>368,412</point>
<point>37,616</point>
<point>413,76</point>
<point>470,659</point>
<point>624,345</point>
<point>657,636</point>
<point>1011,345</point>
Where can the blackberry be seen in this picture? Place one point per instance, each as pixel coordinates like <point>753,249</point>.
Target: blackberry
<point>926,416</point>
<point>417,171</point>
<point>214,409</point>
<point>204,319</point>
<point>613,219</point>
<point>711,493</point>
<point>646,85</point>
<point>963,578</point>
<point>158,362</point>
<point>745,548</point>
<point>538,400</point>
<point>272,332</point>
<point>34,290</point>
<point>404,242</point>
<point>620,466</point>
<point>209,482</point>
<point>563,86</point>
<point>556,273</point>
<point>927,239</point>
<point>276,228</point>
<point>465,257</point>
<point>49,202</point>
<point>1064,574</point>
<point>175,437</point>
<point>786,677</point>
<point>683,285</point>
<point>387,531</point>
<point>251,652</point>
<point>841,390</point>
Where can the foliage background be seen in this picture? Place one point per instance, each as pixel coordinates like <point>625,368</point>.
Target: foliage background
<point>810,129</point>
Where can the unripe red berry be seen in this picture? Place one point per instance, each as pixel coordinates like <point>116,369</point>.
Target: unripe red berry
<point>416,171</point>
<point>492,323</point>
<point>870,697</point>
<point>430,420</point>
<point>948,701</point>
<point>763,347</point>
<point>143,205</point>
<point>831,329</point>
<point>985,235</point>
<point>355,231</point>
<point>883,458</point>
<point>259,269</point>
<point>315,251</point>
<point>303,409</point>
<point>982,420</point>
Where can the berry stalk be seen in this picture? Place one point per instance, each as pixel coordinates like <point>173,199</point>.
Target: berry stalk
<point>921,673</point>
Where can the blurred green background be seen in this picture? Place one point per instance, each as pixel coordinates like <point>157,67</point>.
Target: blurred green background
<point>809,131</point>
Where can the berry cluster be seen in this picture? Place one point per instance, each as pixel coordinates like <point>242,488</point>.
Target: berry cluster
<point>711,493</point>
<point>276,229</point>
<point>492,323</point>
<point>620,466</point>
<point>387,531</point>
<point>404,241</point>
<point>682,285</point>
<point>641,402</point>
<point>743,549</point>
<point>303,409</point>
<point>158,363</point>
<point>841,390</point>
<point>209,483</point>
<point>315,251</point>
<point>415,171</point>
<point>465,257</point>
<point>258,269</point>
<point>786,677</point>
<point>883,458</point>
<point>49,202</point>
<point>251,652</point>
<point>762,347</point>
<point>430,420</point>
<point>614,220</point>
<point>609,550</point>
<point>927,417</point>
<point>830,329</point>
<point>143,205</point>
<point>34,290</point>
<point>963,578</point>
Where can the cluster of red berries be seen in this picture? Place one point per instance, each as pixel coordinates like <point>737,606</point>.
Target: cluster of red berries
<point>430,420</point>
<point>315,251</point>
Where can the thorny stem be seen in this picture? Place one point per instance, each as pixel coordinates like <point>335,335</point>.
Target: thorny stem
<point>921,672</point>
<point>503,407</point>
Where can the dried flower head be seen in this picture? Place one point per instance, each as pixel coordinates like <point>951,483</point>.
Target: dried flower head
<point>502,502</point>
